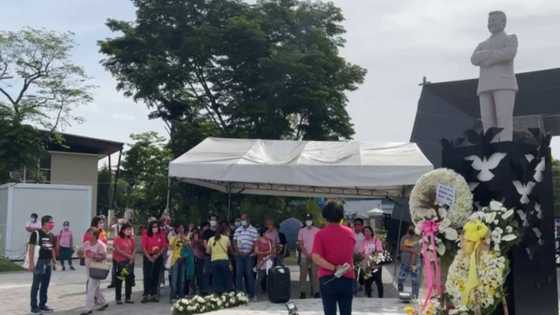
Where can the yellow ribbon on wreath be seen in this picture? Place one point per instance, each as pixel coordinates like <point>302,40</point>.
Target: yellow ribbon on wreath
<point>474,233</point>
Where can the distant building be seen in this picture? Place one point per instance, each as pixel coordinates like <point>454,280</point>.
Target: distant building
<point>73,162</point>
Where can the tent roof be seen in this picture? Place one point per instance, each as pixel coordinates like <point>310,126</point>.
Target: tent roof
<point>302,168</point>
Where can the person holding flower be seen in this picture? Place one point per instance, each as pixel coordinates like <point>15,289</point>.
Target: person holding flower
<point>177,269</point>
<point>371,245</point>
<point>154,245</point>
<point>264,251</point>
<point>95,251</point>
<point>410,259</point>
<point>123,255</point>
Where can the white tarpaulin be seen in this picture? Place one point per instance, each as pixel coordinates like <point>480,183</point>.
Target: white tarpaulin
<point>301,168</point>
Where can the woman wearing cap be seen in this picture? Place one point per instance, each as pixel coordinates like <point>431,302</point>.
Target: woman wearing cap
<point>66,243</point>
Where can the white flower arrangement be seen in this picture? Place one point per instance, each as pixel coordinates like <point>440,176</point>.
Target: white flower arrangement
<point>504,230</point>
<point>198,304</point>
<point>423,198</point>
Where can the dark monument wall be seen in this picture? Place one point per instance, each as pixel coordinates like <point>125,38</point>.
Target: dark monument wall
<point>532,285</point>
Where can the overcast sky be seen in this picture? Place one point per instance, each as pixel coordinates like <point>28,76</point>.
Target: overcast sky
<point>398,42</point>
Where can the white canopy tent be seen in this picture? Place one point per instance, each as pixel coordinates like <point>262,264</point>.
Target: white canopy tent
<point>333,169</point>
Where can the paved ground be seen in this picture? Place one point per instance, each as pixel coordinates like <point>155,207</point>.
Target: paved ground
<point>66,296</point>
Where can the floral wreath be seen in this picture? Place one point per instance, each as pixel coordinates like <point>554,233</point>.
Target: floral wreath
<point>423,197</point>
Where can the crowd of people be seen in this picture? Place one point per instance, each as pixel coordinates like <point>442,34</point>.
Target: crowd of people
<point>216,257</point>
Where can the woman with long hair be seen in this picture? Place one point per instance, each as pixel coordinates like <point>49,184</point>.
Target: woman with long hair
<point>123,255</point>
<point>95,251</point>
<point>154,245</point>
<point>219,248</point>
<point>197,245</point>
<point>370,274</point>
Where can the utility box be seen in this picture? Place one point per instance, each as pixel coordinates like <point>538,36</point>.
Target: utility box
<point>71,203</point>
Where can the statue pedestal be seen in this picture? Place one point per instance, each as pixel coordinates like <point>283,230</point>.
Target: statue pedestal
<point>532,285</point>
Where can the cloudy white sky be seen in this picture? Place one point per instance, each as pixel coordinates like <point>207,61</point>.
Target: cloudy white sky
<point>397,41</point>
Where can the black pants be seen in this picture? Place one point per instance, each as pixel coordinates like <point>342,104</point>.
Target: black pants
<point>376,277</point>
<point>336,292</point>
<point>152,272</point>
<point>41,280</point>
<point>127,281</point>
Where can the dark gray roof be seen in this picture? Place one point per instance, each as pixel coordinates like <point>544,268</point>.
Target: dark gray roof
<point>81,144</point>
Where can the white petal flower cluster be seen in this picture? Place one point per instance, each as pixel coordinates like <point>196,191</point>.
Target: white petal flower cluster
<point>501,222</point>
<point>198,304</point>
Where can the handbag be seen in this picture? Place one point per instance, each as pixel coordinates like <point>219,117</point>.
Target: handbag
<point>99,270</point>
<point>35,249</point>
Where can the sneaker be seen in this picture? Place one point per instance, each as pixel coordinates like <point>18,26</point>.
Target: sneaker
<point>111,286</point>
<point>36,311</point>
<point>46,309</point>
<point>103,307</point>
<point>302,296</point>
<point>63,268</point>
<point>119,302</point>
<point>129,301</point>
<point>317,296</point>
<point>72,268</point>
<point>145,299</point>
<point>154,299</point>
<point>86,313</point>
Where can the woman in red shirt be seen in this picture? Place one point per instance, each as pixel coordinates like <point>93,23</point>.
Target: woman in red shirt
<point>370,246</point>
<point>333,251</point>
<point>154,245</point>
<point>123,255</point>
<point>263,250</point>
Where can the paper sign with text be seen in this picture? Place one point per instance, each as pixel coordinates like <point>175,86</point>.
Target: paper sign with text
<point>445,195</point>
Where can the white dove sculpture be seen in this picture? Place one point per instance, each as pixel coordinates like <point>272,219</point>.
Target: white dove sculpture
<point>486,165</point>
<point>539,168</point>
<point>524,190</point>
<point>523,216</point>
<point>538,211</point>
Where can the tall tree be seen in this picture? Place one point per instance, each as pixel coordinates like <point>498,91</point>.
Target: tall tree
<point>145,170</point>
<point>268,70</point>
<point>39,87</point>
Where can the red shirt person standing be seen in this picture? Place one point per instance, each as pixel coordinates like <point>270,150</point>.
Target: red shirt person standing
<point>333,251</point>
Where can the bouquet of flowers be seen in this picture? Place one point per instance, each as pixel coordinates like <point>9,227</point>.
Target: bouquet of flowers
<point>209,303</point>
<point>373,262</point>
<point>504,229</point>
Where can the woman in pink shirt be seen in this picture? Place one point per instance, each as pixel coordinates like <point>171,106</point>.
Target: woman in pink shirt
<point>66,243</point>
<point>370,246</point>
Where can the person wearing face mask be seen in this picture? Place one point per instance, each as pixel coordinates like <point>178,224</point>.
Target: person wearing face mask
<point>45,263</point>
<point>370,246</point>
<point>33,224</point>
<point>153,245</point>
<point>306,236</point>
<point>66,243</point>
<point>274,237</point>
<point>208,231</point>
<point>123,254</point>
<point>410,260</point>
<point>244,239</point>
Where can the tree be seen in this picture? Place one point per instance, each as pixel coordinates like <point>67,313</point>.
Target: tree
<point>145,168</point>
<point>39,87</point>
<point>269,70</point>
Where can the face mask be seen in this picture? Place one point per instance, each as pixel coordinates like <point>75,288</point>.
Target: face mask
<point>100,225</point>
<point>308,223</point>
<point>50,226</point>
<point>33,220</point>
<point>244,223</point>
<point>127,233</point>
<point>213,223</point>
<point>237,224</point>
<point>66,227</point>
<point>155,230</point>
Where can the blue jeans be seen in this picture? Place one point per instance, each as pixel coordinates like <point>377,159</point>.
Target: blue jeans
<point>41,280</point>
<point>221,276</point>
<point>177,282</point>
<point>245,278</point>
<point>336,292</point>
<point>406,270</point>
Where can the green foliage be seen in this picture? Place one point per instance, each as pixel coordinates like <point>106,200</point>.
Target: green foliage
<point>20,145</point>
<point>106,189</point>
<point>38,82</point>
<point>8,266</point>
<point>145,171</point>
<point>269,70</point>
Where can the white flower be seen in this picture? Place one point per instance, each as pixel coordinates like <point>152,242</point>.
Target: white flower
<point>509,237</point>
<point>441,249</point>
<point>496,205</point>
<point>451,234</point>
<point>507,214</point>
<point>490,217</point>
<point>442,212</point>
<point>509,229</point>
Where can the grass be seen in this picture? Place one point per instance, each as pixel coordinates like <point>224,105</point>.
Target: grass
<point>7,266</point>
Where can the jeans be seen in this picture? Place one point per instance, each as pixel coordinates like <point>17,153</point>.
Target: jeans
<point>94,296</point>
<point>245,278</point>
<point>41,280</point>
<point>152,272</point>
<point>336,292</point>
<point>198,281</point>
<point>206,278</point>
<point>177,282</point>
<point>406,270</point>
<point>127,281</point>
<point>221,276</point>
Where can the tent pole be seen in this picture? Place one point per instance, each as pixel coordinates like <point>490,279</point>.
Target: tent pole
<point>229,202</point>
